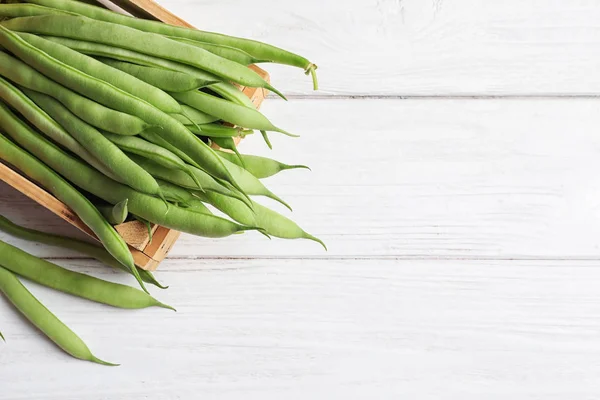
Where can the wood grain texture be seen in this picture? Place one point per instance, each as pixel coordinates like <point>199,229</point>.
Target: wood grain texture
<point>274,329</point>
<point>423,178</point>
<point>420,47</point>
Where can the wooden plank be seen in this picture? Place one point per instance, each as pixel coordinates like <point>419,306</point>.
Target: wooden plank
<point>422,178</point>
<point>351,329</point>
<point>420,47</point>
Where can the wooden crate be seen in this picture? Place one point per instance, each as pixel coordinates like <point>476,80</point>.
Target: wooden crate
<point>147,254</point>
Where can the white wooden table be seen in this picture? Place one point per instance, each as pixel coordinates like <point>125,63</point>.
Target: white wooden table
<point>455,148</point>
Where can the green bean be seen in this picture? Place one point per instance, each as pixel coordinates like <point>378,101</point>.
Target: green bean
<point>118,99</point>
<point>61,189</point>
<point>86,109</point>
<point>197,205</point>
<point>43,319</point>
<point>158,154</point>
<point>134,57</point>
<point>171,81</point>
<point>41,120</point>
<point>80,246</point>
<point>260,167</point>
<point>272,222</point>
<point>145,206</point>
<point>219,130</point>
<point>251,184</point>
<point>28,10</point>
<point>74,283</point>
<point>227,111</point>
<point>76,27</point>
<point>228,144</point>
<point>257,49</point>
<point>175,193</point>
<point>103,149</point>
<point>114,214</point>
<point>180,178</point>
<point>232,93</point>
<point>228,52</point>
<point>107,73</point>
<point>155,138</point>
<point>197,117</point>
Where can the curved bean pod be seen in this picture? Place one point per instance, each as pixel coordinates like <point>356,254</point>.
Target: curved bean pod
<point>76,27</point>
<point>86,109</point>
<point>218,130</point>
<point>114,214</point>
<point>142,205</point>
<point>41,120</point>
<point>103,149</point>
<point>172,81</point>
<point>251,184</point>
<point>43,319</point>
<point>74,283</point>
<point>62,190</point>
<point>158,154</point>
<point>80,246</point>
<point>227,111</point>
<point>273,223</point>
<point>105,72</point>
<point>232,93</point>
<point>260,167</point>
<point>229,144</point>
<point>228,52</point>
<point>197,117</point>
<point>257,49</point>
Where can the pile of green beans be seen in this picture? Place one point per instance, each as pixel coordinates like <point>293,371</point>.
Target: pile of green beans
<point>128,119</point>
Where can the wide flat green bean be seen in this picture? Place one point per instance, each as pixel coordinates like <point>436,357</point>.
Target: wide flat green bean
<point>43,319</point>
<point>93,113</point>
<point>103,149</point>
<point>77,284</point>
<point>87,248</point>
<point>260,167</point>
<point>105,72</point>
<point>16,99</point>
<point>172,81</point>
<point>261,51</point>
<point>61,189</point>
<point>76,27</point>
<point>142,205</point>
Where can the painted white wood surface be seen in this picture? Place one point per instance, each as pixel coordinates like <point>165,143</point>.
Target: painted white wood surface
<point>421,47</point>
<point>463,234</point>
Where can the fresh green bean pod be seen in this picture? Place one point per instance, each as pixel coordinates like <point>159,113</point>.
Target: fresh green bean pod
<point>259,50</point>
<point>12,96</point>
<point>158,154</point>
<point>175,193</point>
<point>218,130</point>
<point>93,113</point>
<point>161,78</point>
<point>196,117</point>
<point>228,52</point>
<point>97,252</point>
<point>118,99</point>
<point>232,93</point>
<point>114,214</point>
<point>61,189</point>
<point>273,223</point>
<point>228,144</point>
<point>227,111</point>
<point>122,80</point>
<point>74,283</point>
<point>154,137</point>
<point>142,205</point>
<point>43,319</point>
<point>103,149</point>
<point>130,56</point>
<point>260,167</point>
<point>113,34</point>
<point>250,184</point>
<point>15,10</point>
